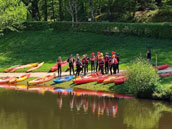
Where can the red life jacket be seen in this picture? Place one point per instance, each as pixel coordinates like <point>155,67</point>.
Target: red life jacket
<point>93,58</point>
<point>106,59</point>
<point>59,62</point>
<point>86,60</point>
<point>83,60</point>
<point>101,62</point>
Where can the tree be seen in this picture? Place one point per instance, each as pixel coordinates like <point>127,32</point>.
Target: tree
<point>12,14</point>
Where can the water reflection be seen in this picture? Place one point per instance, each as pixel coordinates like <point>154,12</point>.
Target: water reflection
<point>78,109</point>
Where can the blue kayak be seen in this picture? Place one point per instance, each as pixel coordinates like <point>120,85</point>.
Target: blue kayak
<point>64,79</point>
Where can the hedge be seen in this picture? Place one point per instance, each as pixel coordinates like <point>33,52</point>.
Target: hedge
<point>156,30</point>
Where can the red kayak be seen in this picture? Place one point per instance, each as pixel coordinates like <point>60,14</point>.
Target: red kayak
<point>165,75</point>
<point>85,80</point>
<point>102,78</point>
<point>92,75</point>
<point>120,81</point>
<point>36,67</point>
<point>161,67</point>
<point>5,80</point>
<point>55,67</point>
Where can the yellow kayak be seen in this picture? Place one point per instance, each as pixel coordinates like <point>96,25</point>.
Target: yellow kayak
<point>24,66</point>
<point>20,79</point>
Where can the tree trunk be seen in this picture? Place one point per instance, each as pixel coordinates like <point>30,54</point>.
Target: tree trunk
<point>61,10</point>
<point>53,10</point>
<point>35,10</point>
<point>45,10</point>
<point>92,10</point>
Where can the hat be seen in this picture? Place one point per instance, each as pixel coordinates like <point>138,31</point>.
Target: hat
<point>101,54</point>
<point>92,53</point>
<point>98,53</point>
<point>113,52</point>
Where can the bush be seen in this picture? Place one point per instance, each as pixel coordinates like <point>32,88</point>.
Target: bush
<point>156,30</point>
<point>142,78</point>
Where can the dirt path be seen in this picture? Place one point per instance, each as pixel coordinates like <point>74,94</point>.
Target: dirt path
<point>36,74</point>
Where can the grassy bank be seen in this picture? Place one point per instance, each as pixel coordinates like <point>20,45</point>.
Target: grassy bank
<point>37,46</point>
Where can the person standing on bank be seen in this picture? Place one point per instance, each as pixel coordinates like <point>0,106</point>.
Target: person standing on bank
<point>86,62</point>
<point>59,68</point>
<point>101,64</point>
<point>78,67</point>
<point>97,60</point>
<point>114,63</point>
<point>149,55</point>
<point>93,58</point>
<point>107,63</point>
<point>118,59</point>
<point>71,64</point>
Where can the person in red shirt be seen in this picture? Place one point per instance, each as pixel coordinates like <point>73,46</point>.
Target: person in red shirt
<point>97,61</point>
<point>93,58</point>
<point>114,62</point>
<point>101,64</point>
<point>59,68</point>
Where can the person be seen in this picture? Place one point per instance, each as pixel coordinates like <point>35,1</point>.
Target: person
<point>107,63</point>
<point>86,62</point>
<point>97,61</point>
<point>83,63</point>
<point>93,58</point>
<point>71,64</point>
<point>118,59</point>
<point>114,62</point>
<point>148,54</point>
<point>110,64</point>
<point>77,56</point>
<point>101,64</point>
<point>59,68</point>
<point>78,67</point>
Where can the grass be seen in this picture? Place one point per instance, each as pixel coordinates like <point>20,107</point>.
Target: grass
<point>37,46</point>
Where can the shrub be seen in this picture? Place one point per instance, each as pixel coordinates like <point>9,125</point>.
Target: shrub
<point>142,78</point>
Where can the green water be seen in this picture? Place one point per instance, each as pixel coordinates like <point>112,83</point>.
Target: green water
<point>47,110</point>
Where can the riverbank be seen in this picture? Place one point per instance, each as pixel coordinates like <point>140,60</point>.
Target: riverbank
<point>37,46</point>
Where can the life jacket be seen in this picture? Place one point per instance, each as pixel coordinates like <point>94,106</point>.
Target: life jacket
<point>106,59</point>
<point>83,60</point>
<point>59,62</point>
<point>97,58</point>
<point>71,60</point>
<point>78,64</point>
<point>86,60</point>
<point>116,61</point>
<point>101,62</point>
<point>93,58</point>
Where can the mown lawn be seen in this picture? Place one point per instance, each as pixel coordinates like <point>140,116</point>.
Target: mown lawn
<point>37,46</point>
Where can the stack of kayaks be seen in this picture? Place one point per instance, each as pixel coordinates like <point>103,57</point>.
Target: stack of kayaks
<point>17,67</point>
<point>63,79</point>
<point>55,67</point>
<point>42,80</point>
<point>19,79</point>
<point>161,67</point>
<point>86,79</point>
<point>35,67</point>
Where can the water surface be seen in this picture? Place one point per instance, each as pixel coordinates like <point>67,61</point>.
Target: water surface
<point>34,108</point>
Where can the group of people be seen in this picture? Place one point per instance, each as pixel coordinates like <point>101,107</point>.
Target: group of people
<point>103,63</point>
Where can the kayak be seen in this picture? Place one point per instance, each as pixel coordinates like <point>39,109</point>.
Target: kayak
<point>110,79</point>
<point>5,80</point>
<point>19,79</point>
<point>161,67</point>
<point>42,79</point>
<point>85,80</point>
<point>11,68</point>
<point>120,80</point>
<point>55,67</point>
<point>165,75</point>
<point>64,79</point>
<point>101,78</point>
<point>24,66</point>
<point>36,67</point>
<point>92,75</point>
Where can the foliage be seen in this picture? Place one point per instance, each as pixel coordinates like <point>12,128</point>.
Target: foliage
<point>142,78</point>
<point>12,14</point>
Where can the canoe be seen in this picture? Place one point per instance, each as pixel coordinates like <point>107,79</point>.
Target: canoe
<point>120,80</point>
<point>165,74</point>
<point>42,79</point>
<point>19,79</point>
<point>85,80</point>
<point>64,79</point>
<point>92,75</point>
<point>54,68</point>
<point>24,66</point>
<point>36,67</point>
<point>110,79</point>
<point>5,80</point>
<point>11,68</point>
<point>161,67</point>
